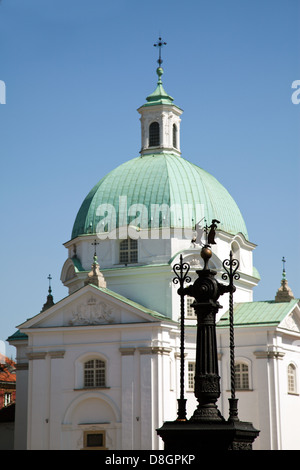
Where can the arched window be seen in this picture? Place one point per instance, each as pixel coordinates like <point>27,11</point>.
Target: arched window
<point>175,136</point>
<point>94,373</point>
<point>154,134</point>
<point>128,251</point>
<point>241,376</point>
<point>292,386</point>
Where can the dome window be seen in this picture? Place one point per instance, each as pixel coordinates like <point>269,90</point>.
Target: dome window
<point>154,134</point>
<point>128,251</point>
<point>175,136</point>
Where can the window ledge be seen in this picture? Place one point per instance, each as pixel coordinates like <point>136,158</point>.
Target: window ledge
<point>293,393</point>
<point>120,265</point>
<point>91,388</point>
<point>94,448</point>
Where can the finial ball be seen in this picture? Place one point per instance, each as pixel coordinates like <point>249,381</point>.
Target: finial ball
<point>159,71</point>
<point>206,253</point>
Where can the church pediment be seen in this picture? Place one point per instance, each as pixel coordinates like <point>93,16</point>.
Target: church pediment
<point>292,321</point>
<point>93,311</point>
<point>92,306</point>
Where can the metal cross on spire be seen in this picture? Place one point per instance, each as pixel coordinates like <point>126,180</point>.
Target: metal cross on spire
<point>283,263</point>
<point>49,278</point>
<point>160,44</point>
<point>95,243</point>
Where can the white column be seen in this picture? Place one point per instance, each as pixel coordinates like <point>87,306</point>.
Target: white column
<point>55,399</point>
<point>38,393</point>
<point>128,396</point>
<point>146,411</point>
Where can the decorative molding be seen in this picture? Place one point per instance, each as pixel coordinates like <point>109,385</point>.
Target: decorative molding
<point>41,355</point>
<point>177,355</point>
<point>36,355</point>
<point>291,322</point>
<point>22,366</point>
<point>268,354</point>
<point>195,262</point>
<point>164,350</point>
<point>92,313</point>
<point>56,354</point>
<point>127,351</point>
<point>154,350</point>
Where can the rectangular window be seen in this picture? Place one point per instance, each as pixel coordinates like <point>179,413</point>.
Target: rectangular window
<point>190,312</point>
<point>94,373</point>
<point>241,376</point>
<point>7,399</point>
<point>94,440</point>
<point>291,379</point>
<point>128,251</point>
<point>191,375</point>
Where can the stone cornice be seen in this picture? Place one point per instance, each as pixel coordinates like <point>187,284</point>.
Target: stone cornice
<point>268,354</point>
<point>127,351</point>
<point>178,355</point>
<point>22,366</point>
<point>56,354</point>
<point>154,350</point>
<point>42,355</point>
<point>36,355</point>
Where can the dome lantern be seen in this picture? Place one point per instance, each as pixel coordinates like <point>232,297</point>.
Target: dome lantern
<point>160,121</point>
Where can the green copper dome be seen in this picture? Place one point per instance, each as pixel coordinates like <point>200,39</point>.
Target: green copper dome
<point>152,180</point>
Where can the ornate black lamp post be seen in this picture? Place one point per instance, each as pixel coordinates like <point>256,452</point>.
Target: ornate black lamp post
<point>206,290</point>
<point>207,428</point>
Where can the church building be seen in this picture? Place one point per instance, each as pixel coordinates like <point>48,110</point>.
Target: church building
<point>100,368</point>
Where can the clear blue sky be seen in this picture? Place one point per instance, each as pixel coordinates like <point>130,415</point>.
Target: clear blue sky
<point>75,73</point>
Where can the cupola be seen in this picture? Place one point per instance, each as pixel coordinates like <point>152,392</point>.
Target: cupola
<point>284,293</point>
<point>160,122</point>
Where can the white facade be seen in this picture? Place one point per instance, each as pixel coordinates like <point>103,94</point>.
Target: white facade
<point>140,353</point>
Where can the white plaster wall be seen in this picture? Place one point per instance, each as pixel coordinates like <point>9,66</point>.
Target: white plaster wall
<point>130,409</point>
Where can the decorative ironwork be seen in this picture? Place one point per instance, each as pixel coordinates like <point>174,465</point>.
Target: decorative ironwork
<point>160,44</point>
<point>207,429</point>
<point>49,278</point>
<point>181,271</point>
<point>231,266</point>
<point>283,267</point>
<point>95,243</point>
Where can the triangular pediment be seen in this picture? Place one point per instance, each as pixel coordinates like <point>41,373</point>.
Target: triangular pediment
<point>292,320</point>
<point>92,306</point>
